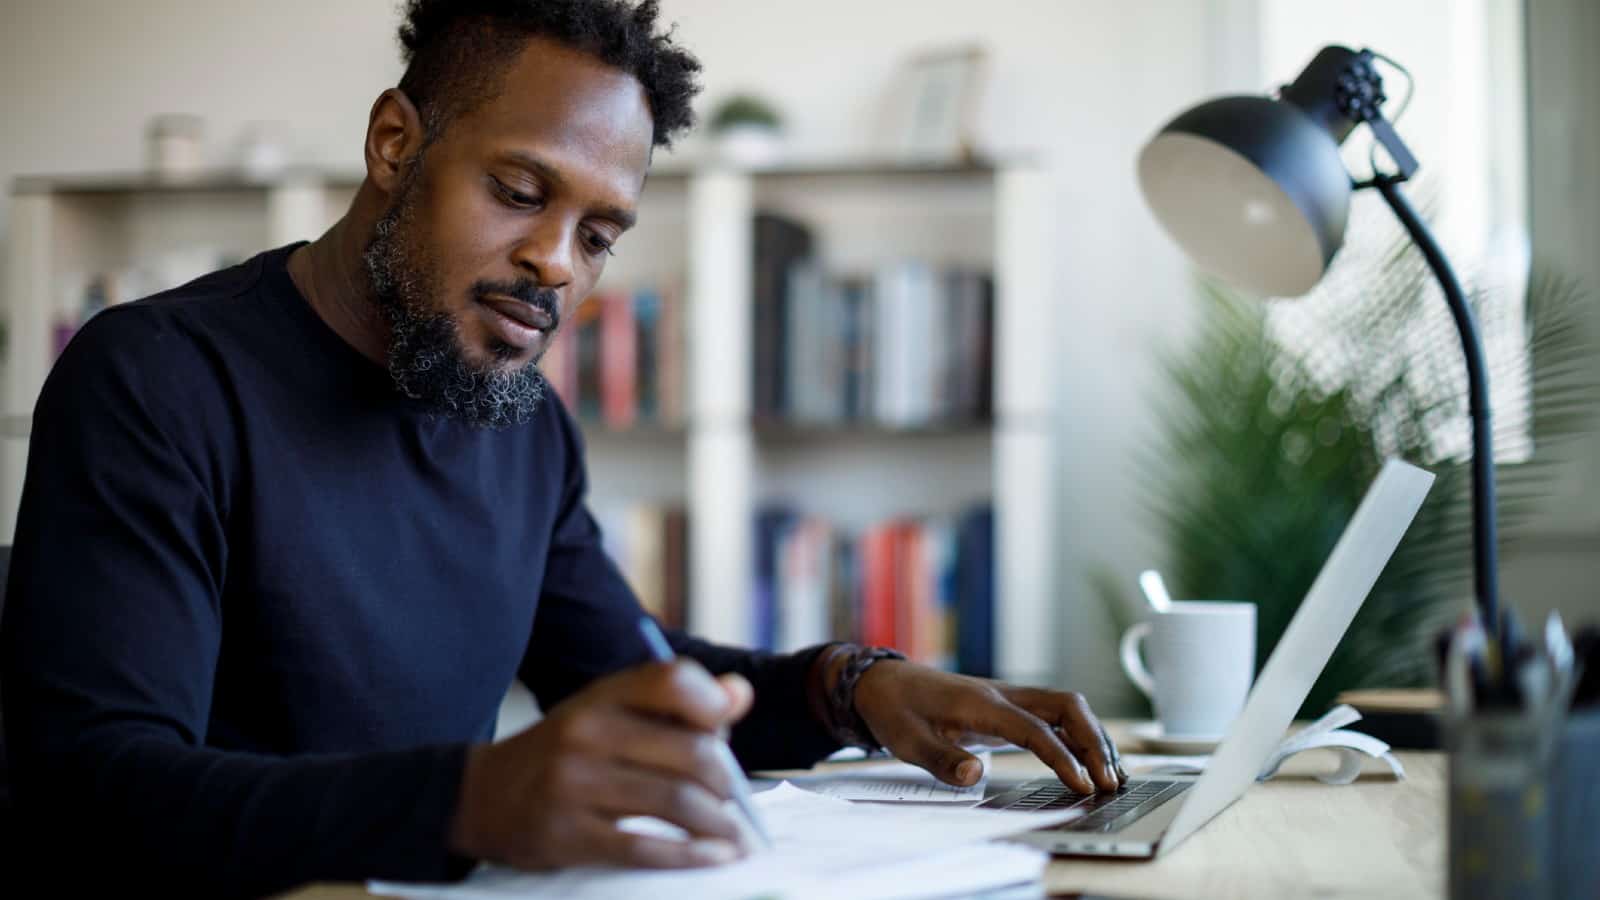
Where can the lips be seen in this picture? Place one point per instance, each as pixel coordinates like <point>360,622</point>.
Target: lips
<point>518,311</point>
<point>515,324</point>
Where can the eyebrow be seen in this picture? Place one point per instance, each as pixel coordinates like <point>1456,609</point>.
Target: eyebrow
<point>623,217</point>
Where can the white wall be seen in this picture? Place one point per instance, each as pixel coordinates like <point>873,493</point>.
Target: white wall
<point>1080,83</point>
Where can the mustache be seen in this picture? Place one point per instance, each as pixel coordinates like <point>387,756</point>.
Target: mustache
<point>541,298</point>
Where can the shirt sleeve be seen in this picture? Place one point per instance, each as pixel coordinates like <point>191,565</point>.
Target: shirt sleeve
<point>587,626</point>
<point>108,649</point>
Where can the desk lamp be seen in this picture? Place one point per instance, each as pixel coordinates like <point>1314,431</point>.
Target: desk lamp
<point>1254,191</point>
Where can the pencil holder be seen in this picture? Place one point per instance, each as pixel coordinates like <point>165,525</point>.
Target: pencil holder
<point>1575,791</point>
<point>1501,819</point>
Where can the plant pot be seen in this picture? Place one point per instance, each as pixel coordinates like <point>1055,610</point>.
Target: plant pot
<point>749,145</point>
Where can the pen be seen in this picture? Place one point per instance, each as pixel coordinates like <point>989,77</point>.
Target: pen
<point>662,651</point>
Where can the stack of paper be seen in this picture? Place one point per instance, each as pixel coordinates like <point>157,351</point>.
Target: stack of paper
<point>894,782</point>
<point>823,847</point>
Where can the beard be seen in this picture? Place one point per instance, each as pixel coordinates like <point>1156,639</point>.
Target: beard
<point>426,356</point>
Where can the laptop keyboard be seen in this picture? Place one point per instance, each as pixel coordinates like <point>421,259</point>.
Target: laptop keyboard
<point>1102,812</point>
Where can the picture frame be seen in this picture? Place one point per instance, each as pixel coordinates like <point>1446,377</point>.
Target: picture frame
<point>932,108</point>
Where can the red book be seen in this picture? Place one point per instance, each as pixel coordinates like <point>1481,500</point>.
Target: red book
<point>560,365</point>
<point>877,587</point>
<point>911,594</point>
<point>670,384</point>
<point>675,596</point>
<point>618,361</point>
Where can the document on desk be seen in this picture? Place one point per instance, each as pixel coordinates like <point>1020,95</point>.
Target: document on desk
<point>823,846</point>
<point>893,782</point>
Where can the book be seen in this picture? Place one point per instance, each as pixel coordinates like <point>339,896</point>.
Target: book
<point>805,560</point>
<point>779,243</point>
<point>923,586</point>
<point>809,367</point>
<point>618,354</point>
<point>559,366</point>
<point>649,545</point>
<point>974,602</point>
<point>771,526</point>
<point>647,354</point>
<point>965,369</point>
<point>877,587</point>
<point>855,320</point>
<point>675,562</point>
<point>645,565</point>
<point>670,350</point>
<point>586,350</point>
<point>908,346</point>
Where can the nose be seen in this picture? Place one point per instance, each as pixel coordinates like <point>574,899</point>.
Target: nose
<point>546,252</point>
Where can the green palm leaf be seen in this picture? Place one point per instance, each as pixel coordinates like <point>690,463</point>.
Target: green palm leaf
<point>1269,444</point>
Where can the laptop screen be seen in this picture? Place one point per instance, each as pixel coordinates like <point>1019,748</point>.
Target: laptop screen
<point>1341,587</point>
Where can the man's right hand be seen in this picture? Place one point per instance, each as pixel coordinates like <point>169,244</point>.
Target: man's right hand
<point>637,743</point>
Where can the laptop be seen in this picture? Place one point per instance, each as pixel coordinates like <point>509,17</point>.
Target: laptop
<point>1151,815</point>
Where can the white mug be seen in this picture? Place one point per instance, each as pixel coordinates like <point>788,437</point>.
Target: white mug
<point>1202,659</point>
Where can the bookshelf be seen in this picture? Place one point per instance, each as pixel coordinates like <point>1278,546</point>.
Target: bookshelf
<point>720,463</point>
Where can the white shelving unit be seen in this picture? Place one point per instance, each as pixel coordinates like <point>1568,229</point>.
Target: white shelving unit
<point>695,226</point>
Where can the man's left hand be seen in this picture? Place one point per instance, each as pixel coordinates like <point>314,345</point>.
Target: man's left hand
<point>923,716</point>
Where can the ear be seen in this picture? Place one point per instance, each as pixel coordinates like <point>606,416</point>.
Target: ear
<point>394,136</point>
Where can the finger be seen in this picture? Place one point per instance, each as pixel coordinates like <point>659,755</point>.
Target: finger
<point>604,842</point>
<point>944,759</point>
<point>670,749</point>
<point>681,690</point>
<point>627,791</point>
<point>1116,755</point>
<point>1080,730</point>
<point>1033,734</point>
<point>741,696</point>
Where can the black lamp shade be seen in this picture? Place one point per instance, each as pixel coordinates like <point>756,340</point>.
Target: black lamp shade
<point>1252,189</point>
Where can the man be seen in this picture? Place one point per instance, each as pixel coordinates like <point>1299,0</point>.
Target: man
<point>289,531</point>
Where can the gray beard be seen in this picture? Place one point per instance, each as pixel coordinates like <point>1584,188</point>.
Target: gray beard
<point>425,355</point>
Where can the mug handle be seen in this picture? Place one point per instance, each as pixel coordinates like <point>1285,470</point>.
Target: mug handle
<point>1133,663</point>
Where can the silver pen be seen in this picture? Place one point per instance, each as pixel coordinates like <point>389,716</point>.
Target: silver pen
<point>662,651</point>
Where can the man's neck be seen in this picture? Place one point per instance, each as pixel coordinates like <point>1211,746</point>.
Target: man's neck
<point>330,274</point>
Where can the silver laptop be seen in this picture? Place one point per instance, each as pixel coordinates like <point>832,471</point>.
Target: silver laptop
<point>1151,815</point>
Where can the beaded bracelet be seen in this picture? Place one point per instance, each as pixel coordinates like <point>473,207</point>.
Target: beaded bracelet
<point>849,728</point>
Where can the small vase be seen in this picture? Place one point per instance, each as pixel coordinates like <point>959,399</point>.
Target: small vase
<point>749,146</point>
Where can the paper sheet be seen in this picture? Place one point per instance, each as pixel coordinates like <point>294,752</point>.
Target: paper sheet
<point>893,782</point>
<point>824,847</point>
<point>1351,748</point>
<point>1157,764</point>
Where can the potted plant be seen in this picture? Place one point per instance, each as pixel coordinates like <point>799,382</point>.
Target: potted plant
<point>746,131</point>
<point>1268,446</point>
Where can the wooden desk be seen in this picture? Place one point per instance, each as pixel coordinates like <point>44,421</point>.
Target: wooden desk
<point>1290,837</point>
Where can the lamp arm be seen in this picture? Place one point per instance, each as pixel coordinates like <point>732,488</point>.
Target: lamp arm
<point>1485,565</point>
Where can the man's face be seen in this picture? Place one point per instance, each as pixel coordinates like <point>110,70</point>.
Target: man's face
<point>503,227</point>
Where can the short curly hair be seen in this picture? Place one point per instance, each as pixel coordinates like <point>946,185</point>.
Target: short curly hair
<point>455,51</point>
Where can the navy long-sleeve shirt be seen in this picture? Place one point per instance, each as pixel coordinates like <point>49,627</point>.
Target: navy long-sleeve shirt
<point>260,603</point>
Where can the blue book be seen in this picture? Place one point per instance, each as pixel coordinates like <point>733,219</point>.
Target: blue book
<point>772,525</point>
<point>975,597</point>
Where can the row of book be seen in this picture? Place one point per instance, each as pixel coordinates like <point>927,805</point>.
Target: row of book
<point>81,294</point>
<point>907,345</point>
<point>922,586</point>
<point>650,545</point>
<point>620,360</point>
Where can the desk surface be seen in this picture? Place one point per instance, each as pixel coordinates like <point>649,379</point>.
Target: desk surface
<point>1290,837</point>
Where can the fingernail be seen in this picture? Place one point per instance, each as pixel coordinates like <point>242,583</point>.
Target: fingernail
<point>1083,777</point>
<point>713,852</point>
<point>969,771</point>
<point>705,687</point>
<point>1110,774</point>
